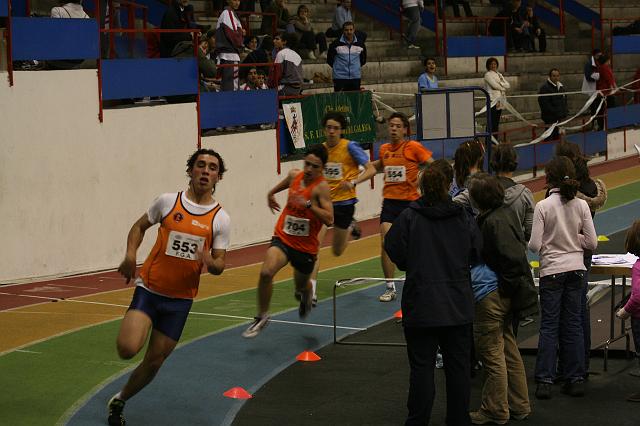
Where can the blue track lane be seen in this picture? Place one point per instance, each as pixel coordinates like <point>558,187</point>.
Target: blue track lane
<point>189,387</point>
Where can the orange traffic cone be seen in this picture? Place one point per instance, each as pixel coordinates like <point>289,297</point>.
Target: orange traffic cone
<point>237,393</point>
<point>308,356</point>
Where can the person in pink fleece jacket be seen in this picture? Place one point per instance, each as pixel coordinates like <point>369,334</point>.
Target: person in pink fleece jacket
<point>632,307</point>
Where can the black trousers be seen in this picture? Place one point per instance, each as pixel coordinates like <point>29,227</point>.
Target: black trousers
<point>455,345</point>
<point>345,85</point>
<point>495,121</point>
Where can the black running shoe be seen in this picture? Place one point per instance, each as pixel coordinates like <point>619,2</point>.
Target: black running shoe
<point>356,232</point>
<point>305,304</point>
<point>116,406</point>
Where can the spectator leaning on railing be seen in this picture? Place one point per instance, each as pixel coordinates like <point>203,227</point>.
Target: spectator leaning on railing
<point>206,65</point>
<point>428,79</point>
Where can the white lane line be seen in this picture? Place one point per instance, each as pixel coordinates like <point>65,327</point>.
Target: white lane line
<point>27,352</point>
<point>76,286</point>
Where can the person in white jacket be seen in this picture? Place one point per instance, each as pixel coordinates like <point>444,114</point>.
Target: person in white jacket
<point>412,10</point>
<point>497,87</point>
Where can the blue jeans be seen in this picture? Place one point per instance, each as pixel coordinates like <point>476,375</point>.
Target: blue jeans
<point>561,326</point>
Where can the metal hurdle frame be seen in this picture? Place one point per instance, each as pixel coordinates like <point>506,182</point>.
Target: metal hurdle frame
<point>343,283</point>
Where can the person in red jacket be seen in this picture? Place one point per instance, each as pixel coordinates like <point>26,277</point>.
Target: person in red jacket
<point>605,84</point>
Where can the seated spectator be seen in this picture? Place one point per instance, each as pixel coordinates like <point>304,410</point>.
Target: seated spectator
<point>535,30</point>
<point>71,9</point>
<point>553,108</point>
<point>229,41</point>
<point>206,65</point>
<point>428,79</point>
<point>282,18</point>
<point>518,37</point>
<point>308,39</point>
<point>176,17</point>
<point>260,80</point>
<point>287,72</point>
<point>259,54</point>
<point>251,80</point>
<point>340,17</point>
<point>504,394</point>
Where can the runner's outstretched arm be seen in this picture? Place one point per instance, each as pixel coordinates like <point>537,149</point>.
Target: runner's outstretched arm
<point>128,266</point>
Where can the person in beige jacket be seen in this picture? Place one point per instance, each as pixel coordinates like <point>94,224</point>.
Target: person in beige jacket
<point>497,86</point>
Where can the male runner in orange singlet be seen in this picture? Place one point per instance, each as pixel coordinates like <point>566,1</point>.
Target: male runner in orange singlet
<point>194,231</point>
<point>400,160</point>
<point>296,233</point>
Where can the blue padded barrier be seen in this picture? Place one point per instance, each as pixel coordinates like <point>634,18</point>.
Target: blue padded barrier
<point>526,157</point>
<point>466,46</point>
<point>19,8</point>
<point>51,39</point>
<point>137,78</point>
<point>379,12</point>
<point>544,152</point>
<point>623,116</point>
<point>239,108</point>
<point>590,142</point>
<point>4,8</point>
<point>626,44</point>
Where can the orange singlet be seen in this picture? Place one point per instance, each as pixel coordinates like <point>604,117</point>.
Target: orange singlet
<point>297,226</point>
<point>401,163</point>
<point>173,267</point>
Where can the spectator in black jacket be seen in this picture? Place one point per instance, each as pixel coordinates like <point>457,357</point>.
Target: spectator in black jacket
<point>504,394</point>
<point>178,16</point>
<point>553,108</point>
<point>436,241</point>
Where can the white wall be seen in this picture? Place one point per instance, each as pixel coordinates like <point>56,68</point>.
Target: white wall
<point>71,187</point>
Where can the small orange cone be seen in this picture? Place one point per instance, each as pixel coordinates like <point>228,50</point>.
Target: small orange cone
<point>398,314</point>
<point>237,393</point>
<point>308,356</point>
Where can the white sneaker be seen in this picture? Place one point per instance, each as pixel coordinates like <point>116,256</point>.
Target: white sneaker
<point>256,327</point>
<point>323,55</point>
<point>311,56</point>
<point>388,295</point>
<point>413,46</point>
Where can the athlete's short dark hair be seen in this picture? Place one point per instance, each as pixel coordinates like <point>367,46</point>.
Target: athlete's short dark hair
<point>335,116</point>
<point>320,151</point>
<point>203,151</point>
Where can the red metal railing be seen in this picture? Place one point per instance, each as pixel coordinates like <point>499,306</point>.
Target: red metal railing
<point>131,9</point>
<point>7,33</point>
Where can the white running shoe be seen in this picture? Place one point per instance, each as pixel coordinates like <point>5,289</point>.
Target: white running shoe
<point>388,295</point>
<point>256,327</point>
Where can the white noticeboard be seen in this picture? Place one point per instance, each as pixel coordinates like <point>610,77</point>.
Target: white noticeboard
<point>459,120</point>
<point>434,115</point>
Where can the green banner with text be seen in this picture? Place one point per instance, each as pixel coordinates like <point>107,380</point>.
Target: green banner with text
<point>303,117</point>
